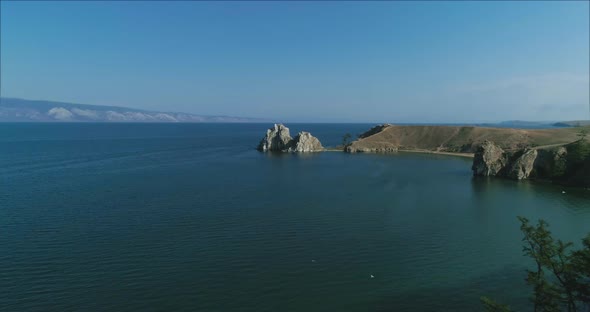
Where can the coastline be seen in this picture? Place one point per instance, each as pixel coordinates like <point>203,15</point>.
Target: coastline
<point>467,155</point>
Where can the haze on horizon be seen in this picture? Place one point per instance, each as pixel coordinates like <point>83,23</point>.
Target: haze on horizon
<point>305,61</point>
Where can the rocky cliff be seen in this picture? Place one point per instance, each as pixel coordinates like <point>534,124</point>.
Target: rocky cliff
<point>278,139</point>
<point>489,160</point>
<point>568,164</point>
<point>522,167</point>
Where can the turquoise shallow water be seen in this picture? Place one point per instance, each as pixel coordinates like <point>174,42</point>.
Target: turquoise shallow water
<point>189,217</point>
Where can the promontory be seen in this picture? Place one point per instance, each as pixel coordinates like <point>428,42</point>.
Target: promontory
<point>560,155</point>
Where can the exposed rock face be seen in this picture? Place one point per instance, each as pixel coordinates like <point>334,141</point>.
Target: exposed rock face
<point>522,167</point>
<point>304,142</point>
<point>278,139</point>
<point>560,159</point>
<point>489,160</point>
<point>551,163</point>
<point>568,164</point>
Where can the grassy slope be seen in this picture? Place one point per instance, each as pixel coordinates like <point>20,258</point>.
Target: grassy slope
<point>463,139</point>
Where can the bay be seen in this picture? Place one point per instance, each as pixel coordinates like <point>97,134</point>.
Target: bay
<point>190,217</point>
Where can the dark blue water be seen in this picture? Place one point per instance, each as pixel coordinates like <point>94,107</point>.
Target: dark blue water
<point>189,217</point>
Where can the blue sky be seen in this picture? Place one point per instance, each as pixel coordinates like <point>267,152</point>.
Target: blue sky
<point>305,61</point>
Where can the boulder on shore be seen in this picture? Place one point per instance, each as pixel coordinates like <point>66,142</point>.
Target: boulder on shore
<point>278,139</point>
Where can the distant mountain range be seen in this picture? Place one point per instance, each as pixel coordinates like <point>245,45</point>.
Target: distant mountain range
<point>20,110</point>
<point>541,124</point>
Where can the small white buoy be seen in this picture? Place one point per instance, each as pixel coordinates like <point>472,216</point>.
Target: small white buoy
<point>372,276</point>
<point>562,192</point>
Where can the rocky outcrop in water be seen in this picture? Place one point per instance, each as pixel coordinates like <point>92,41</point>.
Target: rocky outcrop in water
<point>551,163</point>
<point>278,139</point>
<point>523,165</point>
<point>304,142</point>
<point>489,160</point>
<point>568,164</point>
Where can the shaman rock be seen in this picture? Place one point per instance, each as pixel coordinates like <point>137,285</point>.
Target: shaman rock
<point>277,139</point>
<point>304,142</point>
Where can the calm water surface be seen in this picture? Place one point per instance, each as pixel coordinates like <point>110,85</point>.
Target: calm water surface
<point>189,217</point>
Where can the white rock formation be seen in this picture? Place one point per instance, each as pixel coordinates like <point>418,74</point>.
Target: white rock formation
<point>278,139</point>
<point>304,142</point>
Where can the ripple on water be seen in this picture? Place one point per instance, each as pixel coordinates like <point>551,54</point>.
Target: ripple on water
<point>190,222</point>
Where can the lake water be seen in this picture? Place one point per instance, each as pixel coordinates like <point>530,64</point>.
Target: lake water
<point>189,217</point>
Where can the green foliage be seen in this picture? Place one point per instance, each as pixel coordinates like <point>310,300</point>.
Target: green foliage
<point>559,169</point>
<point>583,133</point>
<point>560,278</point>
<point>581,264</point>
<point>578,163</point>
<point>578,151</point>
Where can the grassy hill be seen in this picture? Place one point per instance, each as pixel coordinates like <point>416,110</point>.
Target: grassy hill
<point>458,138</point>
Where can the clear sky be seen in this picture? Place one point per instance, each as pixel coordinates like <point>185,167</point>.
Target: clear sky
<point>305,61</point>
